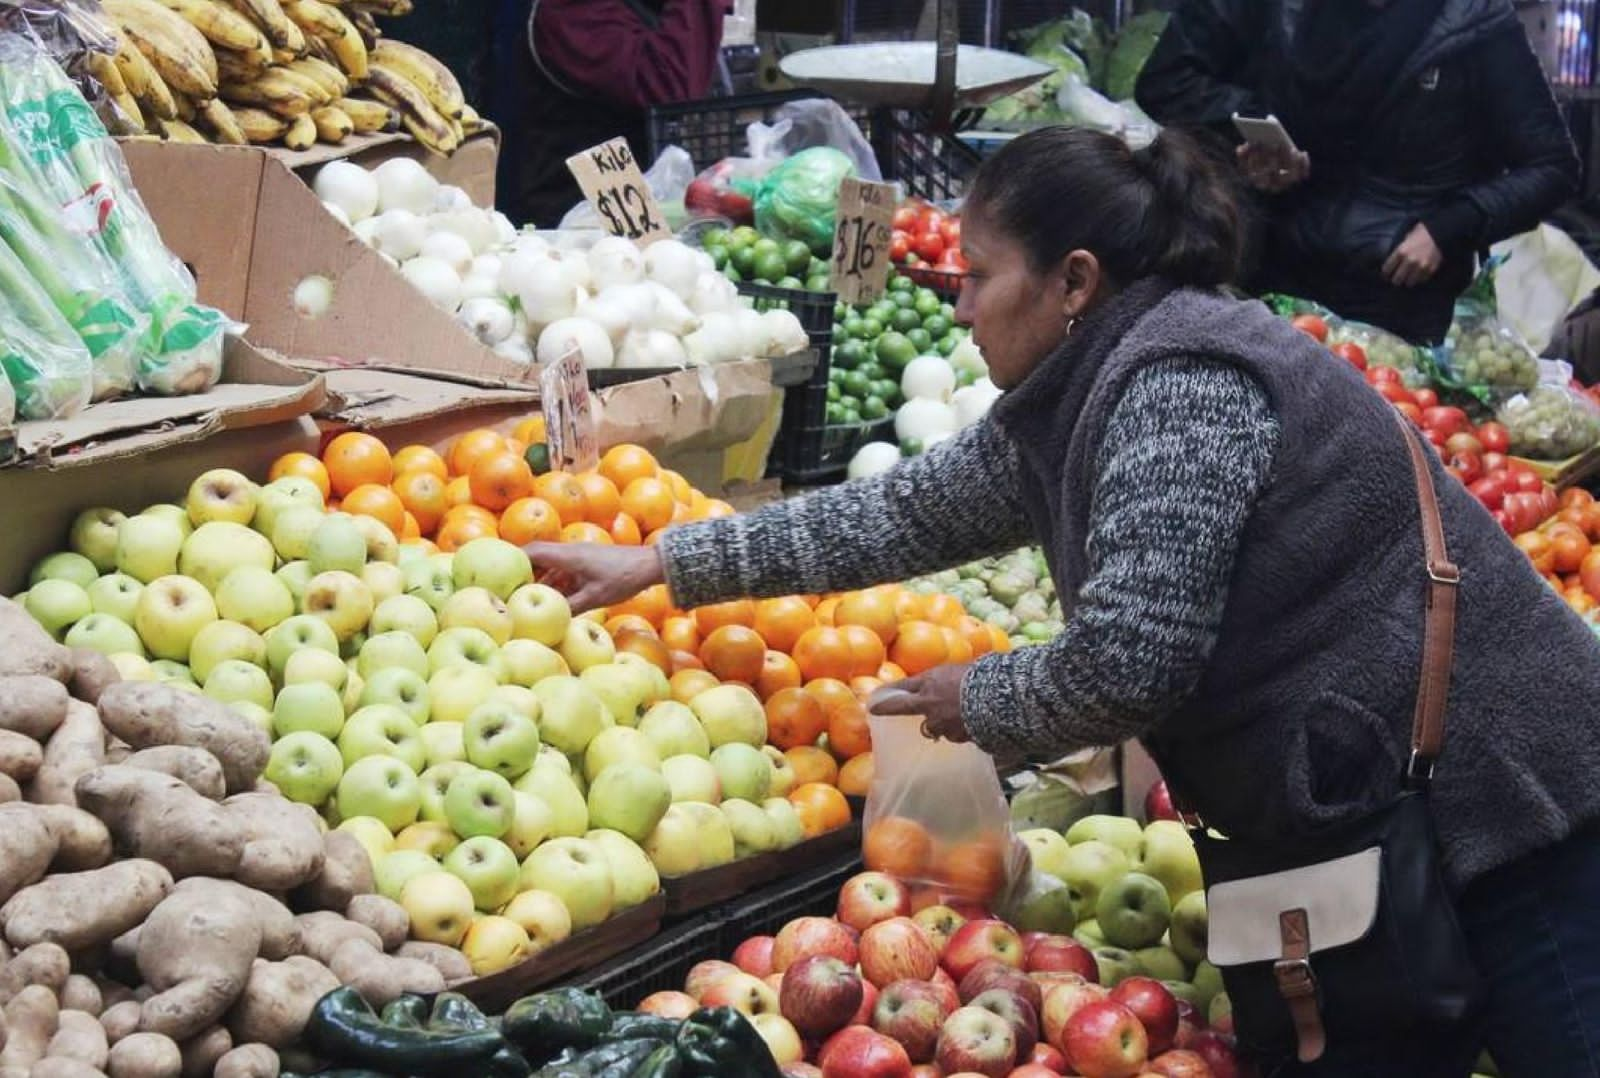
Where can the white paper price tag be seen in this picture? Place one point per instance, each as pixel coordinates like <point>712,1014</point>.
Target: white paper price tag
<point>615,187</point>
<point>860,269</point>
<point>568,414</point>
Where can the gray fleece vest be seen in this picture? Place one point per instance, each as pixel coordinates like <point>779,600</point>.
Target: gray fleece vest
<point>1303,717</point>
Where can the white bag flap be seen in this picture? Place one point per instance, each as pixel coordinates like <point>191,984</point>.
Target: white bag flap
<point>1340,898</point>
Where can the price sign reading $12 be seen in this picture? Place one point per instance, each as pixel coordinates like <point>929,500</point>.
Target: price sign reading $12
<point>569,418</point>
<point>860,268</point>
<point>615,187</point>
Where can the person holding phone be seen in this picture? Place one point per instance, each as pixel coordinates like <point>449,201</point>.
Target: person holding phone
<point>1423,131</point>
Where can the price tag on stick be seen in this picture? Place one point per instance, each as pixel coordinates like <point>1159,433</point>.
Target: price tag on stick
<point>615,187</point>
<point>568,417</point>
<point>861,239</point>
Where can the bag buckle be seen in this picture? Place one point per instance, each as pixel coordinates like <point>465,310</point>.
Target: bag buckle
<point>1419,770</point>
<point>1444,572</point>
<point>1295,978</point>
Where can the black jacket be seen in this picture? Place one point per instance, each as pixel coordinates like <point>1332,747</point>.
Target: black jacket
<point>1469,141</point>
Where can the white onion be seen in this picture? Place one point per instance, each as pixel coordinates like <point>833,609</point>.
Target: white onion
<point>713,292</point>
<point>788,336</point>
<point>928,378</point>
<point>716,341</point>
<point>576,263</point>
<point>873,458</point>
<point>967,358</point>
<point>921,420</point>
<point>670,314</point>
<point>366,231</point>
<point>650,349</point>
<point>541,285</point>
<point>400,234</point>
<point>477,286</point>
<point>973,402</point>
<point>558,338</point>
<point>671,263</point>
<point>403,184</point>
<point>337,213</point>
<point>450,248</point>
<point>706,263</point>
<point>755,334</point>
<point>313,296</point>
<point>434,279</point>
<point>516,350</point>
<point>609,313</point>
<point>472,225</point>
<point>486,266</point>
<point>615,261</point>
<point>450,197</point>
<point>505,232</point>
<point>350,187</point>
<point>489,319</point>
<point>528,243</point>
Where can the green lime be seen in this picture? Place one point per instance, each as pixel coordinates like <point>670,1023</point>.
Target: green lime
<point>948,311</point>
<point>894,351</point>
<point>966,376</point>
<point>849,354</point>
<point>538,458</point>
<point>937,325</point>
<point>850,326</point>
<point>883,310</point>
<point>871,329</point>
<point>791,282</point>
<point>834,392</point>
<point>714,237</point>
<point>798,257</point>
<point>815,267</point>
<point>911,447</point>
<point>731,274</point>
<point>719,255</point>
<point>898,283</point>
<point>767,244</point>
<point>945,345</point>
<point>841,311</point>
<point>874,408</point>
<point>852,412</point>
<point>922,339</point>
<point>905,320</point>
<point>903,300</point>
<point>818,282</point>
<point>742,259</point>
<point>874,370</point>
<point>836,413</point>
<point>743,236</point>
<point>887,388</point>
<point>769,266</point>
<point>856,384</point>
<point>927,304</point>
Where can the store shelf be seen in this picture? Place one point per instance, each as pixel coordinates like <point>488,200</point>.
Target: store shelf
<point>661,965</point>
<point>762,913</point>
<point>703,890</point>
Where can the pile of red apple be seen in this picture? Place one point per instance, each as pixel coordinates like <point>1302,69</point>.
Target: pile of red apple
<point>879,992</point>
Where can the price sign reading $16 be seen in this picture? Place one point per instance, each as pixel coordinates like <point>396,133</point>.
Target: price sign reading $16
<point>568,417</point>
<point>861,239</point>
<point>615,187</point>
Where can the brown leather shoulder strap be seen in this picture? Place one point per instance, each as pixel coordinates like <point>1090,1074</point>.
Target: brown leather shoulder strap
<point>1439,629</point>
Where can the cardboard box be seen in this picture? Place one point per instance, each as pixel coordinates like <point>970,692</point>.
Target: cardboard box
<point>471,168</point>
<point>251,230</point>
<point>406,409</point>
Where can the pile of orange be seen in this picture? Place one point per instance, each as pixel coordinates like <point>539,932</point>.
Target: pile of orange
<point>1565,549</point>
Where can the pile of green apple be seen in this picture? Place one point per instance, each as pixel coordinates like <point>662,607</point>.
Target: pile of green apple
<point>1014,592</point>
<point>493,753</point>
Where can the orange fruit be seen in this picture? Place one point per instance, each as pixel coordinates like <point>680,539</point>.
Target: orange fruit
<point>419,458</point>
<point>957,650</point>
<point>584,532</point>
<point>466,450</point>
<point>823,652</point>
<point>458,491</point>
<point>794,718</point>
<point>500,478</point>
<point>654,537</point>
<point>855,777</point>
<point>899,846</point>
<point>601,502</point>
<point>976,634</point>
<point>687,684</point>
<point>1568,549</point>
<point>821,808</point>
<point>920,646</point>
<point>517,446</point>
<point>624,531</point>
<point>470,512</point>
<point>680,633</point>
<point>734,653</point>
<point>714,509</point>
<point>849,732</point>
<point>304,466</point>
<point>530,430</point>
<point>865,686</point>
<point>616,623</point>
<point>650,502</point>
<point>781,621</point>
<point>457,533</point>
<point>622,464</point>
<point>1536,545</point>
<point>943,609</point>
<point>812,764</point>
<point>866,650</point>
<point>715,616</point>
<point>832,694</point>
<point>907,606</point>
<point>778,672</point>
<point>998,638</point>
<point>682,492</point>
<point>646,645</point>
<point>411,531</point>
<point>1574,496</point>
<point>354,459</point>
<point>688,660</point>
<point>564,494</point>
<point>379,502</point>
<point>975,869</point>
<point>652,605</point>
<point>530,520</point>
<point>871,609</point>
<point>889,673</point>
<point>827,610</point>
<point>680,514</point>
<point>422,492</point>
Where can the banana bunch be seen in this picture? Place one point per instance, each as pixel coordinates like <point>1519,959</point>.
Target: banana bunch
<point>293,72</point>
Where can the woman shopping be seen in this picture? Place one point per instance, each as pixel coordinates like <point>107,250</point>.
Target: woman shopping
<point>1236,522</point>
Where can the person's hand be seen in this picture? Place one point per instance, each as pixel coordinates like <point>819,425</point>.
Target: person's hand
<point>936,696</point>
<point>1415,261</point>
<point>1271,169</point>
<point>593,575</point>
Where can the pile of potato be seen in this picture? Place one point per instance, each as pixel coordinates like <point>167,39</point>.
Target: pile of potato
<point>164,912</point>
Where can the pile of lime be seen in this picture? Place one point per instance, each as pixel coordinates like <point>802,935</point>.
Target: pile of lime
<point>746,255</point>
<point>873,343</point>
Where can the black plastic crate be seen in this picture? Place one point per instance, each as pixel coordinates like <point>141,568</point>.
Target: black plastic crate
<point>714,128</point>
<point>659,966</point>
<point>930,164</point>
<point>816,893</point>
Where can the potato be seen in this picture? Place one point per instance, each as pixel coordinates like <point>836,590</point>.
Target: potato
<point>278,999</point>
<point>145,1055</point>
<point>62,1067</point>
<point>77,747</point>
<point>92,674</point>
<point>29,649</point>
<point>283,841</point>
<point>31,1019</point>
<point>26,848</point>
<point>80,1036</point>
<point>195,950</point>
<point>121,1020</point>
<point>82,841</point>
<point>383,915</point>
<point>447,960</point>
<point>346,873</point>
<point>33,706</point>
<point>381,978</point>
<point>322,934</point>
<point>80,910</point>
<point>159,817</point>
<point>80,993</point>
<point>197,768</point>
<point>201,1053</point>
<point>146,714</point>
<point>9,790</point>
<point>20,755</point>
<point>44,964</point>
<point>280,931</point>
<point>248,1061</point>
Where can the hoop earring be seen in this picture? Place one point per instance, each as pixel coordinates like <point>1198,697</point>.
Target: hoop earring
<point>1072,324</point>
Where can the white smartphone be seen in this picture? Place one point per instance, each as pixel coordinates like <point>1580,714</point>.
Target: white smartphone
<point>1266,132</point>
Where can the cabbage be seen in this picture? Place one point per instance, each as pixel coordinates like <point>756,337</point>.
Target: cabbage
<point>1134,44</point>
<point>797,200</point>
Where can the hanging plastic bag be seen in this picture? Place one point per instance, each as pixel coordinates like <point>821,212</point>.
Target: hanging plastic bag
<point>1552,421</point>
<point>800,198</point>
<point>937,818</point>
<point>821,121</point>
<point>1543,276</point>
<point>1481,353</point>
<point>728,187</point>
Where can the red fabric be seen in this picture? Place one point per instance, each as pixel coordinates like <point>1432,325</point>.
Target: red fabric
<point>603,47</point>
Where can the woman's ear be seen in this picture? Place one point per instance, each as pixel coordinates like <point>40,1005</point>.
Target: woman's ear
<point>1081,276</point>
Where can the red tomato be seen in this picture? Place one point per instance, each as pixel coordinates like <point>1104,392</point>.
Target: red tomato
<point>1467,465</point>
<point>1525,510</point>
<point>1495,437</point>
<point>1527,481</point>
<point>1548,502</point>
<point>1462,442</point>
<point>1380,376</point>
<point>1353,353</point>
<point>1494,462</point>
<point>1395,393</point>
<point>899,245</point>
<point>1446,419</point>
<point>930,219</point>
<point>1310,323</point>
<point>1490,491</point>
<point>906,218</point>
<point>1426,398</point>
<point>1409,410</point>
<point>950,230</point>
<point>929,246</point>
<point>1502,518</point>
<point>953,261</point>
<point>1435,439</point>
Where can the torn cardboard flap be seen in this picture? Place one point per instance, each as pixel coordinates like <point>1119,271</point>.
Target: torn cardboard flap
<point>682,411</point>
<point>375,400</point>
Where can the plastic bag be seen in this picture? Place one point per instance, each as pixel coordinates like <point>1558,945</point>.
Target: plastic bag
<point>799,199</point>
<point>937,818</point>
<point>1082,106</point>
<point>727,188</point>
<point>1544,275</point>
<point>1482,354</point>
<point>45,361</point>
<point>1552,421</point>
<point>821,121</point>
<point>1380,347</point>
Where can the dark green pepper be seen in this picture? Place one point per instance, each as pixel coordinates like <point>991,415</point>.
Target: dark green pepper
<point>406,1012</point>
<point>622,1058</point>
<point>343,1028</point>
<point>542,1025</point>
<point>664,1062</point>
<point>508,1063</point>
<point>700,1049</point>
<point>630,1025</point>
<point>721,1043</point>
<point>452,1010</point>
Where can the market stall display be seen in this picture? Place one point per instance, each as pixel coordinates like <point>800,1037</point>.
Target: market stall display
<point>1014,593</point>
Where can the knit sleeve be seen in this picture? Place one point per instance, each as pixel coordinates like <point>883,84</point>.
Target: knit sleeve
<point>1187,452</point>
<point>955,503</point>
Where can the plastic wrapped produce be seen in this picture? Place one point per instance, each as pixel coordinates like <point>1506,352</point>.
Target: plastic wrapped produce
<point>1383,349</point>
<point>798,199</point>
<point>1481,353</point>
<point>45,362</point>
<point>1551,422</point>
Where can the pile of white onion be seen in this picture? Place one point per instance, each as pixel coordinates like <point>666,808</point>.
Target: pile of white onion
<point>935,410</point>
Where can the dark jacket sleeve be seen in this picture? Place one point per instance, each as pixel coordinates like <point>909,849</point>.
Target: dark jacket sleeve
<point>605,48</point>
<point>1200,73</point>
<point>1521,124</point>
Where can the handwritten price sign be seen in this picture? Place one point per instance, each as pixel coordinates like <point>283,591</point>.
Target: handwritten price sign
<point>569,419</point>
<point>615,187</point>
<point>861,240</point>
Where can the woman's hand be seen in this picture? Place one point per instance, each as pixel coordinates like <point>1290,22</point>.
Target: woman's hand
<point>593,575</point>
<point>1273,170</point>
<point>936,696</point>
<point>1415,261</point>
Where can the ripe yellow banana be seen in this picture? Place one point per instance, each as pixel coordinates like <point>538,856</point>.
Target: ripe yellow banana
<point>259,125</point>
<point>269,16</point>
<point>104,70</point>
<point>179,53</point>
<point>330,78</point>
<point>318,93</point>
<point>471,121</point>
<point>302,133</point>
<point>186,108</point>
<point>236,67</point>
<point>368,116</point>
<point>366,26</point>
<point>142,81</point>
<point>273,91</point>
<point>329,23</point>
<point>178,131</point>
<point>333,125</point>
<point>416,112</point>
<point>220,25</point>
<point>425,72</point>
<point>216,120</point>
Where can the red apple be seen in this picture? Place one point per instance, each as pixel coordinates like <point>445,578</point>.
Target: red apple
<point>1061,1003</point>
<point>1105,1040</point>
<point>754,956</point>
<point>1048,1055</point>
<point>783,1040</point>
<point>869,1004</point>
<point>992,973</point>
<point>1218,1052</point>
<point>820,995</point>
<point>870,897</point>
<point>1018,1012</point>
<point>940,923</point>
<point>1188,1029</point>
<point>812,936</point>
<point>746,994</point>
<point>926,1070</point>
<point>1030,938</point>
<point>706,974</point>
<point>947,985</point>
<point>774,982</point>
<point>977,1041</point>
<point>858,1052</point>
<point>1061,954</point>
<point>1032,1070</point>
<point>1158,803</point>
<point>801,1070</point>
<point>668,1004</point>
<point>977,940</point>
<point>897,950</point>
<point>912,1012</point>
<point>1154,1007</point>
<point>1180,1064</point>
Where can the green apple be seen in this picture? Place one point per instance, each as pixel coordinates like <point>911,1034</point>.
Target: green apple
<point>393,871</point>
<point>495,943</point>
<point>630,798</point>
<point>465,646</point>
<point>554,786</point>
<point>354,686</point>
<point>72,568</point>
<point>479,802</point>
<point>380,541</point>
<point>745,773</point>
<point>518,699</point>
<point>674,846</point>
<point>1166,853</point>
<point>254,714</point>
<point>341,600</point>
<point>132,667</point>
<point>171,611</point>
<point>575,871</point>
<point>1045,905</point>
<point>440,907</point>
<point>501,738</point>
<point>436,782</point>
<point>731,714</point>
<point>1220,1009</point>
<point>1161,964</point>
<point>1207,983</point>
<point>310,706</point>
<point>382,730</point>
<point>305,767</point>
<point>691,778</point>
<point>374,836</point>
<point>1133,912</point>
<point>381,787</point>
<point>527,662</point>
<point>413,551</point>
<point>625,690</point>
<point>477,608</point>
<point>336,545</point>
<point>391,650</point>
<point>147,547</point>
<point>488,868</point>
<point>494,564</point>
<point>784,778</point>
<point>443,742</point>
<point>300,631</point>
<point>675,731</point>
<point>384,579</point>
<point>539,613</point>
<point>1118,831</point>
<point>217,548</point>
<point>1116,965</point>
<point>657,686</point>
<point>1189,926</point>
<point>94,535</point>
<point>105,634</point>
<point>586,644</point>
<point>531,824</point>
<point>716,833</point>
<point>115,594</point>
<point>292,530</point>
<point>282,495</point>
<point>406,614</point>
<point>296,576</point>
<point>549,756</point>
<point>543,916</point>
<point>1088,933</point>
<point>430,580</point>
<point>455,692</point>
<point>254,597</point>
<point>235,681</point>
<point>619,745</point>
<point>1088,869</point>
<point>173,514</point>
<point>786,823</point>
<point>633,877</point>
<point>432,837</point>
<point>753,830</point>
<point>570,714</point>
<point>170,672</point>
<point>220,641</point>
<point>58,604</point>
<point>314,664</point>
<point>398,687</point>
<point>221,495</point>
<point>1049,851</point>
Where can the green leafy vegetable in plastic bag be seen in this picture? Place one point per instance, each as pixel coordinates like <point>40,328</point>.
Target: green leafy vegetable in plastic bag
<point>1132,48</point>
<point>797,200</point>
